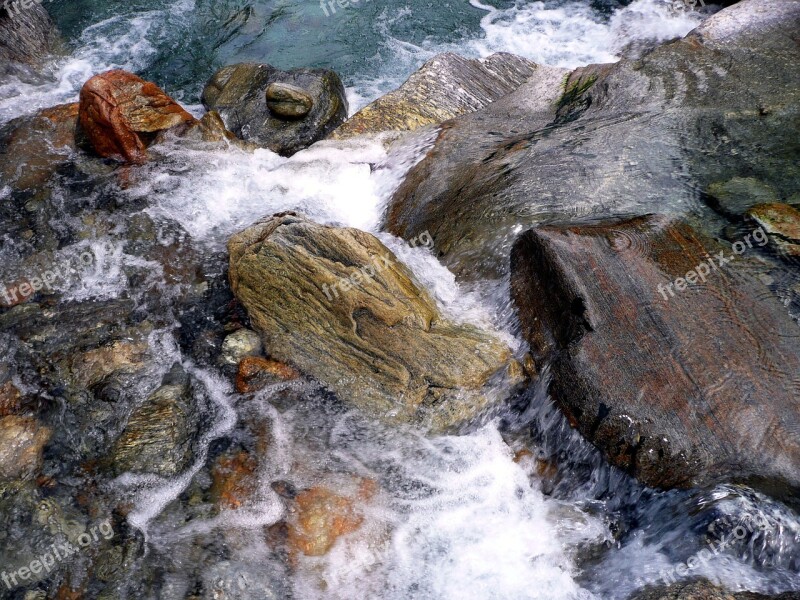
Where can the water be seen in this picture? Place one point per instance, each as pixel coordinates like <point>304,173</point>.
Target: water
<point>452,516</point>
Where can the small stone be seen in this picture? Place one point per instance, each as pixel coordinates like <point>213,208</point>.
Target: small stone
<point>234,480</point>
<point>9,399</point>
<point>321,517</point>
<point>21,442</point>
<point>288,101</point>
<point>255,373</point>
<point>238,345</point>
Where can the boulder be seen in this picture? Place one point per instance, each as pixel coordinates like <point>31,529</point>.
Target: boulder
<point>635,137</point>
<point>735,196</point>
<point>782,224</point>
<point>263,105</point>
<point>338,304</point>
<point>33,148</point>
<point>121,115</point>
<point>27,36</point>
<point>446,86</point>
<point>683,370</point>
<point>159,436</point>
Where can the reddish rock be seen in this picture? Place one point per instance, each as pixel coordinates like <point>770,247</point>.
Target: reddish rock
<point>320,518</point>
<point>9,399</point>
<point>121,114</point>
<point>256,372</point>
<point>234,480</point>
<point>681,389</point>
<point>21,442</point>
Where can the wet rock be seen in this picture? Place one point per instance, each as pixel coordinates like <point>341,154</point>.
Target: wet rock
<point>27,37</point>
<point>288,101</point>
<point>239,94</point>
<point>10,398</point>
<point>21,442</point>
<point>337,304</point>
<point>637,137</point>
<point>237,580</point>
<point>35,147</point>
<point>122,113</point>
<point>735,196</point>
<point>702,590</point>
<point>238,345</point>
<point>782,224</point>
<point>159,436</point>
<point>682,382</point>
<point>319,518</point>
<point>255,373</point>
<point>235,480</point>
<point>446,86</point>
<point>91,367</point>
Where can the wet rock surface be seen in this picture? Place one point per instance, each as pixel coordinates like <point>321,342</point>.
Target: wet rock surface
<point>446,86</point>
<point>703,590</point>
<point>662,358</point>
<point>619,140</point>
<point>338,305</point>
<point>263,105</point>
<point>27,36</point>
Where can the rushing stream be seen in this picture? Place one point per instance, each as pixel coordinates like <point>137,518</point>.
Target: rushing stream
<point>454,516</point>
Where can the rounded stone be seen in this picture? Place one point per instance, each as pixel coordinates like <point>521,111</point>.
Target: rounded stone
<point>288,101</point>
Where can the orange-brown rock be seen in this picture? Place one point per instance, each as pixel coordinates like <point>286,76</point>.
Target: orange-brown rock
<point>122,113</point>
<point>9,399</point>
<point>21,442</point>
<point>234,480</point>
<point>320,518</point>
<point>256,372</point>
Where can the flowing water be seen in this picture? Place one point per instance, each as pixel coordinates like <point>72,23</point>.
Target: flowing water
<point>454,516</point>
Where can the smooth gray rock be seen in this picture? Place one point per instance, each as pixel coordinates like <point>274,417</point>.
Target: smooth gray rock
<point>238,94</point>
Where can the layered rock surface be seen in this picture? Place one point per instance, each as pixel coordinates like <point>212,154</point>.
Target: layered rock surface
<point>682,382</point>
<point>446,86</point>
<point>338,304</point>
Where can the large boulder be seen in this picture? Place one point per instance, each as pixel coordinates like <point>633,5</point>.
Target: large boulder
<point>121,114</point>
<point>635,137</point>
<point>668,350</point>
<point>285,111</point>
<point>27,36</point>
<point>446,86</point>
<point>338,304</point>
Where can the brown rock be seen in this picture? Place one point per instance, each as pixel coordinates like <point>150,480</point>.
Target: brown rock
<point>121,114</point>
<point>680,388</point>
<point>93,366</point>
<point>320,518</point>
<point>235,480</point>
<point>256,372</point>
<point>9,399</point>
<point>21,442</point>
<point>782,224</point>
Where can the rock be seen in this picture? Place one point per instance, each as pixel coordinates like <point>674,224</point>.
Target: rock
<point>782,224</point>
<point>238,345</point>
<point>337,304</point>
<point>679,388</point>
<point>34,148</point>
<point>10,397</point>
<point>210,129</point>
<point>635,137</point>
<point>735,196</point>
<point>238,93</point>
<point>91,367</point>
<point>235,480</point>
<point>288,101</point>
<point>255,373</point>
<point>446,86</point>
<point>239,580</point>
<point>27,36</point>
<point>122,113</point>
<point>320,517</point>
<point>703,590</point>
<point>159,436</point>
<point>21,442</point>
